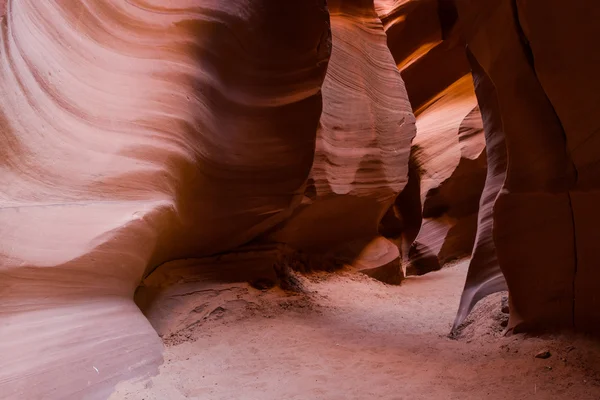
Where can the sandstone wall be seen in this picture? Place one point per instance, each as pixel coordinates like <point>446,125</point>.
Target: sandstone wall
<point>135,133</point>
<point>539,57</point>
<point>362,149</point>
<point>139,133</point>
<point>448,154</point>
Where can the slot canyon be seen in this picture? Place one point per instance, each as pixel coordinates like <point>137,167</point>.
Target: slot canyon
<point>299,199</point>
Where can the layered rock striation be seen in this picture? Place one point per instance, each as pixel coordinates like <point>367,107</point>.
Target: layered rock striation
<point>135,134</point>
<point>543,88</point>
<point>436,218</point>
<point>362,149</point>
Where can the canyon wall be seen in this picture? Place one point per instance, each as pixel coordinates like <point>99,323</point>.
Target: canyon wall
<point>362,149</point>
<point>133,134</point>
<point>197,142</point>
<point>533,66</point>
<point>539,61</point>
<point>136,134</point>
<point>448,154</point>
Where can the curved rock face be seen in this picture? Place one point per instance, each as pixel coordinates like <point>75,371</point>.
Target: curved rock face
<point>138,133</point>
<point>449,149</point>
<point>485,276</point>
<point>448,154</point>
<point>135,133</point>
<point>442,214</point>
<point>551,31</point>
<point>537,55</point>
<point>537,87</point>
<point>362,148</point>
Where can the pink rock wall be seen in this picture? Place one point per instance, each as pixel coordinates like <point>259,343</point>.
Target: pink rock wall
<point>139,133</point>
<point>135,133</point>
<point>362,148</point>
<point>538,57</point>
<point>448,153</point>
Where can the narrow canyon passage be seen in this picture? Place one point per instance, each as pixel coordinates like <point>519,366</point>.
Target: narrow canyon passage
<point>288,199</point>
<point>347,336</point>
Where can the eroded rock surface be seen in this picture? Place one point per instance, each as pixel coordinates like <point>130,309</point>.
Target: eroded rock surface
<point>538,57</point>
<point>445,211</point>
<point>448,154</point>
<point>485,276</point>
<point>138,133</point>
<point>134,133</point>
<point>203,135</point>
<point>362,149</point>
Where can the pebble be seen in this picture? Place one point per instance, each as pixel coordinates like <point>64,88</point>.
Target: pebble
<point>543,354</point>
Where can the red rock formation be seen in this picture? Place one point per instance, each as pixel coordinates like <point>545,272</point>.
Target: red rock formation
<point>448,159</point>
<point>362,149</point>
<point>538,57</point>
<point>135,133</point>
<point>138,133</point>
<point>449,149</point>
<point>538,175</point>
<point>485,276</point>
<point>563,46</point>
<point>531,60</point>
<point>448,156</point>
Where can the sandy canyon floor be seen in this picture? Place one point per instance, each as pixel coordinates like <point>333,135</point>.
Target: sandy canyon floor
<point>345,336</point>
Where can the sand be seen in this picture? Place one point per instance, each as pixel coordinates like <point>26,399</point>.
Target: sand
<point>346,336</point>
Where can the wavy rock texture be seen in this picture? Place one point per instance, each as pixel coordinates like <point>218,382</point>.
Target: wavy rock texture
<point>140,133</point>
<point>421,36</point>
<point>449,149</point>
<point>448,153</point>
<point>531,60</point>
<point>134,133</point>
<point>485,276</point>
<point>537,55</point>
<point>362,149</point>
